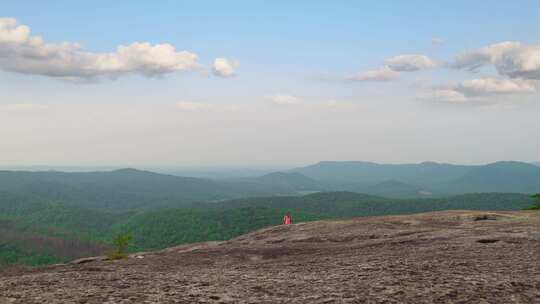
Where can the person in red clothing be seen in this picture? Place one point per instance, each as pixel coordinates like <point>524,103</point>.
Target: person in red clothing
<point>287,219</point>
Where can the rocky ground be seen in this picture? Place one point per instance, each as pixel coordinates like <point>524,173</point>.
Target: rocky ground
<point>443,257</point>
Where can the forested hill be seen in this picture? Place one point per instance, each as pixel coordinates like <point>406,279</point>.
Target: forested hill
<point>130,189</point>
<point>126,188</point>
<point>427,177</point>
<point>500,177</point>
<point>224,220</point>
<point>369,172</point>
<point>350,204</point>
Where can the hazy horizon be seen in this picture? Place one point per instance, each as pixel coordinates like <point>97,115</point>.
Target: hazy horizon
<point>265,85</point>
<point>210,169</point>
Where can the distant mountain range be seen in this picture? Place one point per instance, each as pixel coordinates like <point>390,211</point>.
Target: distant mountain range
<point>368,172</point>
<point>497,177</point>
<point>425,178</point>
<point>126,189</point>
<point>388,188</point>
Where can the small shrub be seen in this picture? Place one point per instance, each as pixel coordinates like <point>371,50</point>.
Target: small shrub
<point>121,243</point>
<point>537,206</point>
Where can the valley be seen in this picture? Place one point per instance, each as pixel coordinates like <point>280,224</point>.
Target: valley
<point>48,217</point>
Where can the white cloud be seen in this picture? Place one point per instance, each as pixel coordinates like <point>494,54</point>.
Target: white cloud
<point>484,86</point>
<point>382,74</point>
<point>517,64</point>
<point>512,59</point>
<point>410,63</point>
<point>393,67</point>
<point>22,53</point>
<point>472,60</point>
<point>193,106</point>
<point>284,99</point>
<point>479,90</point>
<point>22,107</point>
<point>224,67</point>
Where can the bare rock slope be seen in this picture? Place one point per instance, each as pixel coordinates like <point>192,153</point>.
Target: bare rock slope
<point>442,257</point>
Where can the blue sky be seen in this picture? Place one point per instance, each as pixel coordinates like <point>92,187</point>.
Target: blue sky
<point>302,81</point>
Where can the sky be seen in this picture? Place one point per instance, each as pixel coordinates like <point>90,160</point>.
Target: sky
<point>268,83</point>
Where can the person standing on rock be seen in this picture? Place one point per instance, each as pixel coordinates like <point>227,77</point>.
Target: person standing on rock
<point>287,219</point>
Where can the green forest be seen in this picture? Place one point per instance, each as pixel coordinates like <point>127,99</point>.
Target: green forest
<point>537,205</point>
<point>34,231</point>
<point>50,217</point>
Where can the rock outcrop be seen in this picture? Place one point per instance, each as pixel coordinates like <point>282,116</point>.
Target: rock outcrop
<point>442,257</point>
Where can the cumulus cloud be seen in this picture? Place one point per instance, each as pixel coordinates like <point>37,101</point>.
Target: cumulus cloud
<point>479,90</point>
<point>517,65</point>
<point>382,74</point>
<point>224,67</point>
<point>409,63</point>
<point>23,53</point>
<point>511,59</point>
<point>284,99</point>
<point>485,86</point>
<point>394,66</point>
<point>472,60</point>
